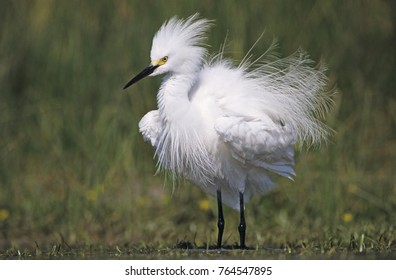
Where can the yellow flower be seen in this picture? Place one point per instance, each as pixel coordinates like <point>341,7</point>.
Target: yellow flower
<point>353,188</point>
<point>347,217</point>
<point>91,195</point>
<point>204,204</point>
<point>4,214</point>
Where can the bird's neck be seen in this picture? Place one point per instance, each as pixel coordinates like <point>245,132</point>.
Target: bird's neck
<point>173,96</point>
<point>180,147</point>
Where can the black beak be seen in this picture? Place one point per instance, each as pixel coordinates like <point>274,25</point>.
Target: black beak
<point>147,71</point>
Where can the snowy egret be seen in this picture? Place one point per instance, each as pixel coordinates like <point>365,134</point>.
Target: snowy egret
<point>228,128</point>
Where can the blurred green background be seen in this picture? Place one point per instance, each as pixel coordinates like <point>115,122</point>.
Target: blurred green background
<point>74,167</point>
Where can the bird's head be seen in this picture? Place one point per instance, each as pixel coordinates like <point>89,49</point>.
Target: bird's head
<point>177,48</point>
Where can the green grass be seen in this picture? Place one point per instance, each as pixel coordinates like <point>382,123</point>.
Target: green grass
<point>76,176</point>
<point>364,246</point>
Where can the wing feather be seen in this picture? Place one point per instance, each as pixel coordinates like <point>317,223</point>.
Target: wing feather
<point>259,143</point>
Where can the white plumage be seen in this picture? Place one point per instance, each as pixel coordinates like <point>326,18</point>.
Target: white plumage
<point>230,128</point>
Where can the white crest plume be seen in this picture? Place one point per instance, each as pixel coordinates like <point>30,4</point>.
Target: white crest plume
<point>181,37</point>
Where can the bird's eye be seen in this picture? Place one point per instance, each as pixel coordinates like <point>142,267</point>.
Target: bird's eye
<point>164,59</point>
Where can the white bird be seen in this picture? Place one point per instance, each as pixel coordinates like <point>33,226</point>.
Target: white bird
<point>228,128</point>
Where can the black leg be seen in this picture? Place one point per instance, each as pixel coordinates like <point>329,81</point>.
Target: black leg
<point>242,224</point>
<point>220,222</point>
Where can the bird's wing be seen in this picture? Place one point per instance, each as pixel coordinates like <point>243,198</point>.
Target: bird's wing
<point>288,90</point>
<point>259,142</point>
<point>150,126</point>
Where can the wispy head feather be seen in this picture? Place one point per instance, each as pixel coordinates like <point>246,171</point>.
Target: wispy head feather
<point>181,38</point>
